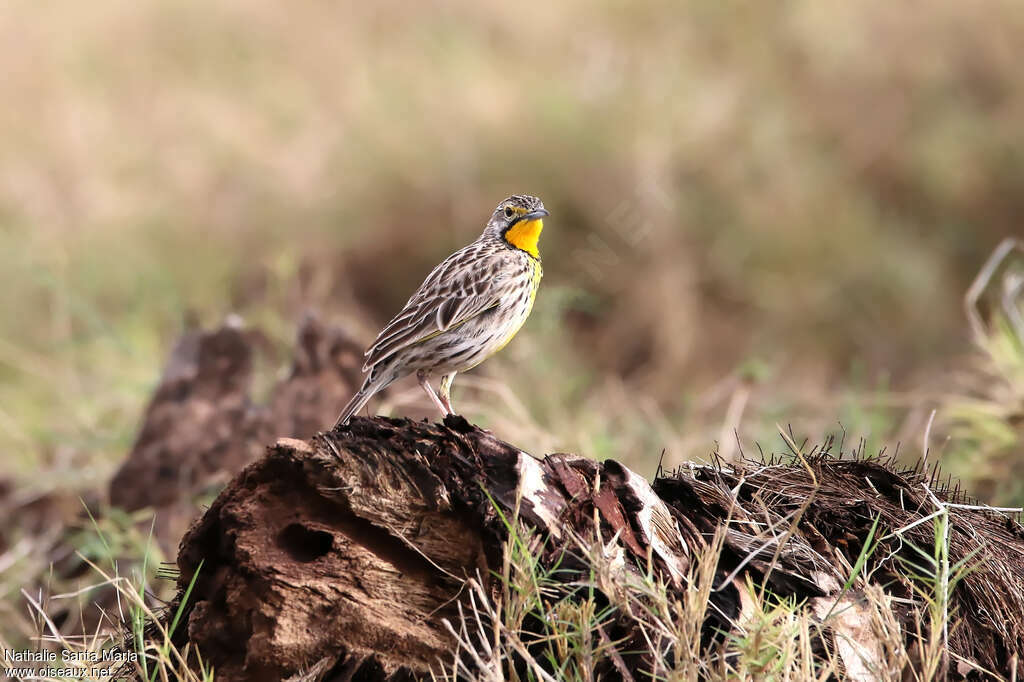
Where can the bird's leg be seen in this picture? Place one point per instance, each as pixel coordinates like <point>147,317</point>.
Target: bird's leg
<point>425,383</point>
<point>446,391</point>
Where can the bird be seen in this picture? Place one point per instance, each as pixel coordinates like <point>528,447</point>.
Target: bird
<point>467,309</point>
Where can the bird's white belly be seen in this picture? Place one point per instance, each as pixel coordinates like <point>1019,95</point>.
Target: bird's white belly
<point>482,337</point>
<point>467,345</point>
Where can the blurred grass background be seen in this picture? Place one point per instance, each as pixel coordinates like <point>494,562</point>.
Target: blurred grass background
<point>762,213</point>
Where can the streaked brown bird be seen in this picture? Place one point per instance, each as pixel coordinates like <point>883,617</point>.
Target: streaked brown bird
<point>468,308</point>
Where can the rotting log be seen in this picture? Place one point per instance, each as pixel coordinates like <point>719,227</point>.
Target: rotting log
<point>342,557</point>
<point>202,425</point>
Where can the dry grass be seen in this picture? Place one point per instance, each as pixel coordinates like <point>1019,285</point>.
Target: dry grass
<point>984,419</point>
<point>541,626</point>
<point>130,639</point>
<point>721,199</point>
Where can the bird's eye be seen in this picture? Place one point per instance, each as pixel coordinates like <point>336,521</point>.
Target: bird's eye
<point>509,212</point>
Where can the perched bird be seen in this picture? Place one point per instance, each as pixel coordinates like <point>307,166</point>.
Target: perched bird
<point>469,307</point>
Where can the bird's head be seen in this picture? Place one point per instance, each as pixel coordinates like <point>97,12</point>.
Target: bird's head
<point>518,221</point>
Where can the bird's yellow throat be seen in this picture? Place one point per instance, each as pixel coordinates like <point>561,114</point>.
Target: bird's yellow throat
<point>525,234</point>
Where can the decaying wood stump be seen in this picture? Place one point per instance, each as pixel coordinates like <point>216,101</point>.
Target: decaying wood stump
<point>201,427</point>
<point>202,424</point>
<point>341,557</point>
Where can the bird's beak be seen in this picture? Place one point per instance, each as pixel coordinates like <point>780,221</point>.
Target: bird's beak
<point>532,215</point>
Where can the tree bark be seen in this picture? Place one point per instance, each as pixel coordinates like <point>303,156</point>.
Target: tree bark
<point>343,556</point>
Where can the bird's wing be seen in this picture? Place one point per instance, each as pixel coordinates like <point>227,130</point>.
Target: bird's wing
<point>464,285</point>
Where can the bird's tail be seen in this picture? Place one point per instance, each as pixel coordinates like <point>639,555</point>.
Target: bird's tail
<point>358,401</point>
<point>369,388</point>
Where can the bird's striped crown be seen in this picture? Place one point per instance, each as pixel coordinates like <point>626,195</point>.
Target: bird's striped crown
<point>518,222</point>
